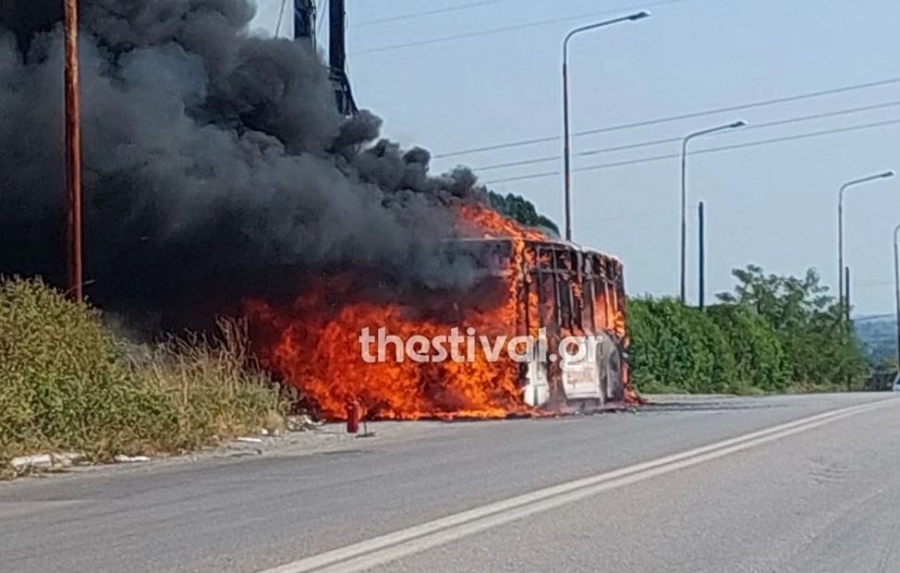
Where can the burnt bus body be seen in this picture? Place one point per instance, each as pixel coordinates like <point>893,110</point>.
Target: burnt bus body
<point>564,292</point>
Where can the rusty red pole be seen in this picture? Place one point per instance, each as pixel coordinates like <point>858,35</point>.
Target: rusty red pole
<point>73,154</point>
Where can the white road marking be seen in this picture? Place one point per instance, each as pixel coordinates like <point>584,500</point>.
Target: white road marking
<point>393,546</point>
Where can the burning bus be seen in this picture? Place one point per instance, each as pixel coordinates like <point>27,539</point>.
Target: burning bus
<point>563,293</point>
<point>529,285</point>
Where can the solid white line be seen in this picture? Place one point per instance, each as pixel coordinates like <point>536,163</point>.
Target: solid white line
<point>393,546</point>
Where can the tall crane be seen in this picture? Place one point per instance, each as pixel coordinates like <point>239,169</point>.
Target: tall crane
<point>305,29</point>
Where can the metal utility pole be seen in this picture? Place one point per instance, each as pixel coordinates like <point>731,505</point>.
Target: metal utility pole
<point>897,289</point>
<point>847,295</point>
<point>702,252</point>
<point>844,187</point>
<point>847,326</point>
<point>305,20</point>
<point>73,154</point>
<point>684,145</point>
<point>565,77</point>
<point>337,57</point>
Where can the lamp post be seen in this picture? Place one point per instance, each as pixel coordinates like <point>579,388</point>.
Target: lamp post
<point>701,254</point>
<point>897,289</point>
<point>565,77</point>
<point>73,154</point>
<point>684,145</point>
<point>844,187</point>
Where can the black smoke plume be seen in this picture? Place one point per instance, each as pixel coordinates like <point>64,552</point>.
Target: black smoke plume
<point>215,162</point>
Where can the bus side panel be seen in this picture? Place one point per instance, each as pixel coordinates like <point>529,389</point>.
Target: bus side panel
<point>622,332</point>
<point>601,315</point>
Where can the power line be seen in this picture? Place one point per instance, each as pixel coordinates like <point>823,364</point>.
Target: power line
<point>504,29</point>
<point>680,138</point>
<point>632,216</point>
<point>710,150</point>
<point>413,15</point>
<point>671,118</point>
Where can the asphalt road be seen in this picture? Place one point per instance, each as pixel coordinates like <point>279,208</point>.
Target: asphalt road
<point>801,483</point>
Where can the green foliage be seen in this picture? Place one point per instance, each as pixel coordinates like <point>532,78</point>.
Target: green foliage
<point>213,384</point>
<point>63,381</point>
<point>676,346</point>
<point>771,334</point>
<point>808,323</point>
<point>68,384</point>
<point>520,209</point>
<point>755,346</point>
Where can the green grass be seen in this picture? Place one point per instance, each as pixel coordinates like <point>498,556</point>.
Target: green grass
<point>68,384</point>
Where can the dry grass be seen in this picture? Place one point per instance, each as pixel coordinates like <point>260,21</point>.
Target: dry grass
<point>68,384</point>
<point>214,385</point>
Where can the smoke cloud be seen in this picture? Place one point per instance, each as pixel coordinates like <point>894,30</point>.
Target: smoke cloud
<point>215,162</point>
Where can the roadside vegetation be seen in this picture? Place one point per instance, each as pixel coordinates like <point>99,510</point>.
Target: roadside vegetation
<point>521,210</point>
<point>771,334</point>
<point>68,384</point>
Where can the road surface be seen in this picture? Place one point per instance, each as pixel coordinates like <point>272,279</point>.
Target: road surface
<point>784,484</point>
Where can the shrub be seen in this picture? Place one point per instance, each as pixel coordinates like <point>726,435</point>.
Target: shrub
<point>64,383</point>
<point>673,345</point>
<point>67,383</point>
<point>758,353</point>
<point>771,334</point>
<point>213,383</point>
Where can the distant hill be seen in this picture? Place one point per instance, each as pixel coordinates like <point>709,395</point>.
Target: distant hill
<point>879,335</point>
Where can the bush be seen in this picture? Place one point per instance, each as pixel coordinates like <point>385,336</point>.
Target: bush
<point>758,353</point>
<point>676,346</point>
<point>66,383</point>
<point>772,334</point>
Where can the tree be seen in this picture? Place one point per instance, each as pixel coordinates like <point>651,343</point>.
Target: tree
<point>521,210</point>
<point>770,334</point>
<point>808,322</point>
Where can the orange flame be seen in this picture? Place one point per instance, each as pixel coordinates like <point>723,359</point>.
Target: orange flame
<point>315,342</point>
<point>479,221</point>
<point>320,351</point>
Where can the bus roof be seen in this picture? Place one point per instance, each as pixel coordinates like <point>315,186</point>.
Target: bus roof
<point>547,241</point>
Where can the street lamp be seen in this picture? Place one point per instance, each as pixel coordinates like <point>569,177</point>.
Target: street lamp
<point>684,144</point>
<point>897,289</point>
<point>844,187</point>
<point>565,74</point>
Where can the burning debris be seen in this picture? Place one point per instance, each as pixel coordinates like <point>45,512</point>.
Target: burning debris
<point>219,177</point>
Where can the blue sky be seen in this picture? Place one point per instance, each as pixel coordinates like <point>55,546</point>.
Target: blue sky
<point>774,205</point>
